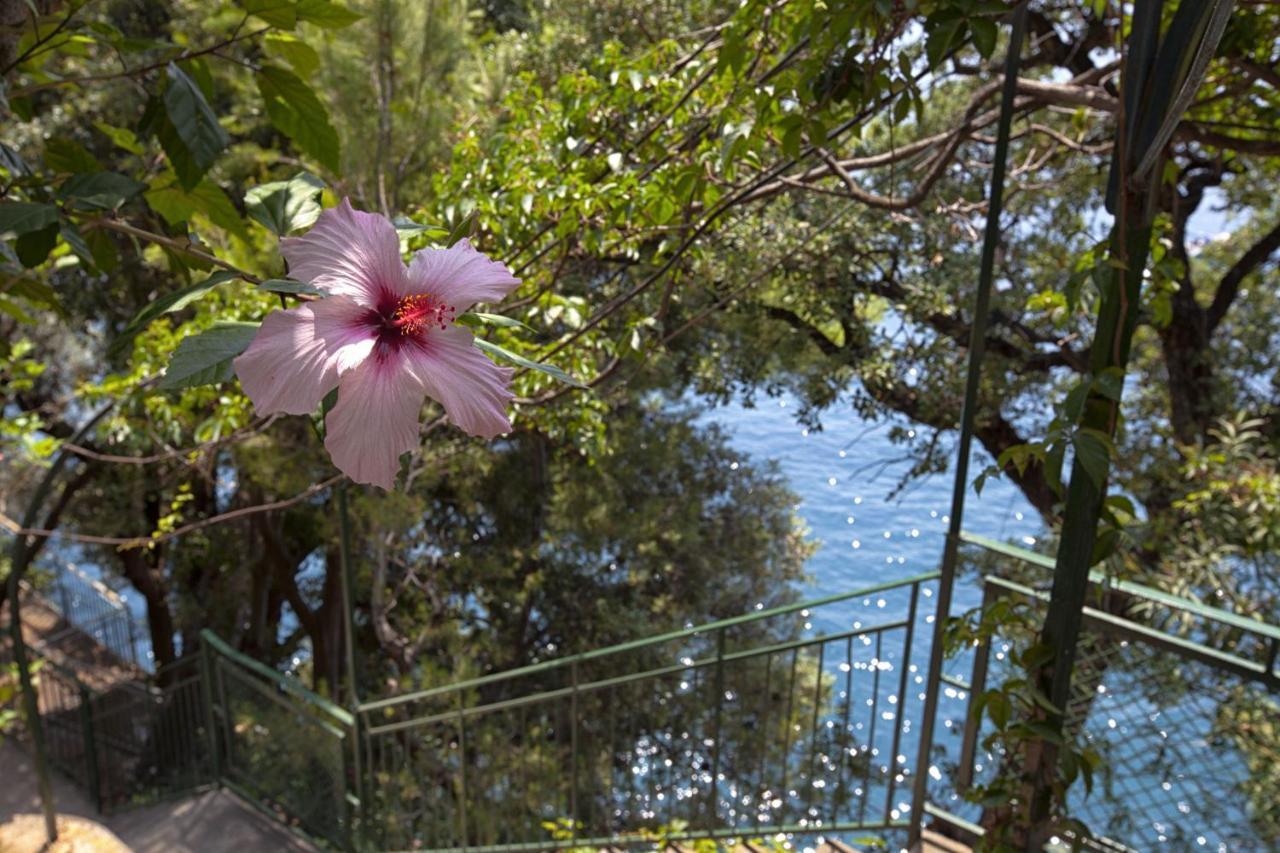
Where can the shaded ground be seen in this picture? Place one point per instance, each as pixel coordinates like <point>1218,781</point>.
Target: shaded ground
<point>212,822</point>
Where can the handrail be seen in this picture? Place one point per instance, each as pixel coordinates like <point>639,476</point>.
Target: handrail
<point>633,645</point>
<point>1189,648</point>
<point>631,678</point>
<point>283,681</point>
<point>1225,617</point>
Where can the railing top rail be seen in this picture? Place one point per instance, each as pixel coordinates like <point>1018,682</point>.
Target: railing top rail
<point>635,645</point>
<point>285,683</point>
<point>105,594</point>
<point>631,678</point>
<point>1188,648</point>
<point>1187,605</point>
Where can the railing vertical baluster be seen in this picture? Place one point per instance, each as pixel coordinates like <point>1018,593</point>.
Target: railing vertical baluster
<point>610,799</point>
<point>813,728</point>
<point>871,732</point>
<point>900,714</point>
<point>846,760</point>
<point>977,685</point>
<point>573,751</point>
<point>206,690</point>
<point>462,770</point>
<point>764,737</point>
<point>90,747</point>
<point>786,736</point>
<point>715,742</point>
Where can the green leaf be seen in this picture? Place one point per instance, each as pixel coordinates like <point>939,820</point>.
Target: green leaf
<point>1093,450</point>
<point>1110,383</point>
<point>105,255</point>
<point>285,285</point>
<point>277,13</point>
<point>67,155</point>
<point>942,34</point>
<point>167,304</point>
<point>72,237</point>
<point>191,136</point>
<point>493,320</point>
<point>122,137</point>
<point>285,206</point>
<point>329,16</point>
<point>11,161</point>
<point>984,35</point>
<point>296,112</point>
<point>99,190</point>
<point>999,708</point>
<point>465,228</point>
<point>205,358</point>
<point>14,310</point>
<point>34,247</point>
<point>178,205</point>
<point>556,373</point>
<point>22,217</point>
<point>293,50</point>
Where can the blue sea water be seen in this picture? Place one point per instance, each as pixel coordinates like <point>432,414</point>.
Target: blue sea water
<point>845,475</point>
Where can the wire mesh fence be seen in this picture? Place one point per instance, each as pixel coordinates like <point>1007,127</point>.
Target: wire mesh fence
<point>1186,731</point>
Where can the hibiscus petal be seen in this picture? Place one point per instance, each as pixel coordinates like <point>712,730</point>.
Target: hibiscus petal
<point>298,355</point>
<point>349,253</point>
<point>473,390</point>
<point>374,421</point>
<point>460,276</point>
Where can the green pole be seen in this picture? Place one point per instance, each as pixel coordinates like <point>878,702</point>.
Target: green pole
<point>1158,73</point>
<point>349,647</point>
<point>977,350</point>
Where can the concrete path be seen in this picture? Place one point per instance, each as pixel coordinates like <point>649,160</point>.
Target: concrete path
<point>212,822</point>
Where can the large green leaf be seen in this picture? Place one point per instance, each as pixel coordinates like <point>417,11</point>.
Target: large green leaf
<point>285,285</point>
<point>295,51</point>
<point>191,137</point>
<point>284,206</point>
<point>549,369</point>
<point>177,204</point>
<point>34,247</point>
<point>277,13</point>
<point>296,112</point>
<point>99,190</point>
<point>167,304</point>
<point>22,217</point>
<point>325,14</point>
<point>205,359</point>
<point>67,155</point>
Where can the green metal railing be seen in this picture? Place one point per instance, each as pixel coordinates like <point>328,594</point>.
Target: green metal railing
<point>125,744</point>
<point>91,610</point>
<point>1158,679</point>
<point>282,747</point>
<point>764,724</point>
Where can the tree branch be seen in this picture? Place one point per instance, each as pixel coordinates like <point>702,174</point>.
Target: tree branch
<point>1229,286</point>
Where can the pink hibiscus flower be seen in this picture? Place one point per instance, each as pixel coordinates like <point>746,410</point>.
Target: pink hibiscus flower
<point>385,336</point>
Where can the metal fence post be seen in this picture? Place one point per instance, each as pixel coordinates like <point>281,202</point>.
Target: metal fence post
<point>90,747</point>
<point>206,691</point>
<point>977,351</point>
<point>573,753</point>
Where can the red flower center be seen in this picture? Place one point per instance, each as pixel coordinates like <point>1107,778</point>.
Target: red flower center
<point>397,321</point>
<point>414,314</point>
